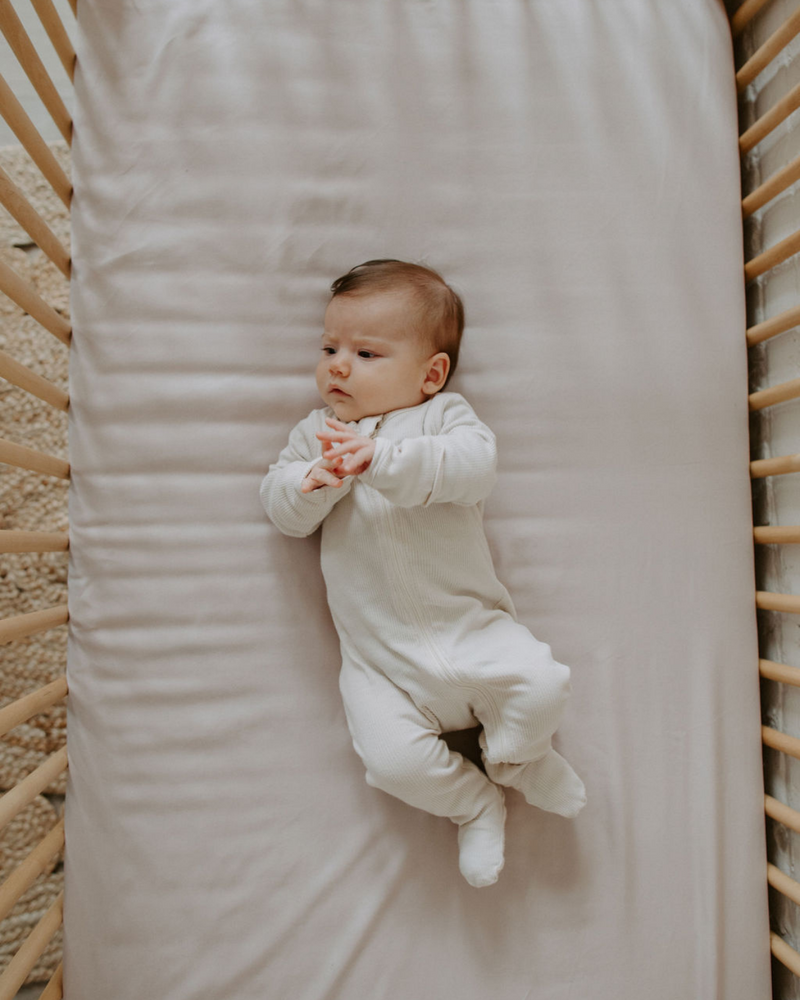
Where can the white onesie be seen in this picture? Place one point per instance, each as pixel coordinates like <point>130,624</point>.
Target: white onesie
<point>430,640</point>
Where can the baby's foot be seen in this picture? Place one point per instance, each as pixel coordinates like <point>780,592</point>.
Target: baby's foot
<point>481,844</point>
<point>549,783</point>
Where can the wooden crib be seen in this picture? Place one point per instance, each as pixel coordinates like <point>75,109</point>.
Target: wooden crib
<point>757,275</point>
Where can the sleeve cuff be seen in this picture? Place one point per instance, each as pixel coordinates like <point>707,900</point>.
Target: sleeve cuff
<point>380,461</point>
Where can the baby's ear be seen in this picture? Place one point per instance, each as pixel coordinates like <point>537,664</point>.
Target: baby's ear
<point>438,367</point>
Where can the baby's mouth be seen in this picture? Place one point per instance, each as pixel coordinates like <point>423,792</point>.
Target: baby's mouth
<point>337,391</point>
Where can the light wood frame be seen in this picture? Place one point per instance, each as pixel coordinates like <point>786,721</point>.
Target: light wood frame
<point>18,454</point>
<point>760,263</point>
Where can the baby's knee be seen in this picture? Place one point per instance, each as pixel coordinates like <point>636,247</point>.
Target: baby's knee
<point>391,769</point>
<point>553,686</point>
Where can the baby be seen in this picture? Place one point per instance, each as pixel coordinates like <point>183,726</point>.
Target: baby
<point>397,470</point>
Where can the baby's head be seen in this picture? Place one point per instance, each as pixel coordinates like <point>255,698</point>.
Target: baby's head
<point>391,340</point>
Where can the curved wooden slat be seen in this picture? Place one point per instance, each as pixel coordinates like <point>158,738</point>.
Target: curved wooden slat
<point>27,298</point>
<point>12,540</point>
<point>771,188</point>
<point>18,374</point>
<point>765,53</point>
<point>774,394</point>
<point>34,225</point>
<point>767,600</point>
<point>19,711</point>
<point>769,121</point>
<point>55,985</point>
<point>778,466</point>
<point>31,950</point>
<point>23,128</point>
<point>775,739</point>
<point>18,626</point>
<point>31,867</point>
<point>28,58</point>
<point>767,534</point>
<point>786,886</point>
<point>783,814</point>
<point>745,14</point>
<point>59,38</point>
<point>22,794</point>
<point>29,458</point>
<point>772,327</point>
<point>782,251</point>
<point>785,954</point>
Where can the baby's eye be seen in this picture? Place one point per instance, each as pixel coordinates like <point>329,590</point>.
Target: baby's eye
<point>324,349</point>
<point>367,353</point>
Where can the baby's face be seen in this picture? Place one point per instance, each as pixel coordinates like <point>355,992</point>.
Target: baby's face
<point>371,361</point>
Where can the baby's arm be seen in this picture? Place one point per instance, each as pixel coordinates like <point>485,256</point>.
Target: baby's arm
<point>291,510</point>
<point>456,465</point>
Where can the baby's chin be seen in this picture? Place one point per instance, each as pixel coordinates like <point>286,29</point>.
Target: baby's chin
<point>347,410</point>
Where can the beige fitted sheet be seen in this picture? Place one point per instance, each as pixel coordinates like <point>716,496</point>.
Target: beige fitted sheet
<point>572,168</point>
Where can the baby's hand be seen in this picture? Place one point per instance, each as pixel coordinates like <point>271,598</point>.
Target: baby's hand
<point>357,449</point>
<point>321,474</point>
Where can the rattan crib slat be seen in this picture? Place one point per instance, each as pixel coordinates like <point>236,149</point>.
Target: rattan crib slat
<point>785,885</point>
<point>771,188</point>
<point>18,626</point>
<point>30,868</point>
<point>745,14</point>
<point>24,50</point>
<point>765,53</point>
<point>30,458</point>
<point>33,224</point>
<point>785,954</point>
<point>54,27</point>
<point>770,258</point>
<point>778,466</point>
<point>772,738</point>
<point>767,122</point>
<point>24,129</point>
<point>22,794</point>
<point>31,704</point>
<point>13,540</point>
<point>28,298</point>
<point>32,948</point>
<point>768,534</point>
<point>55,985</point>
<point>783,814</point>
<point>20,375</point>
<point>773,326</point>
<point>767,600</point>
<point>774,394</point>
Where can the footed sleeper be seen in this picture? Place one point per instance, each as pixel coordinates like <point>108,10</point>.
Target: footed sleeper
<point>429,637</point>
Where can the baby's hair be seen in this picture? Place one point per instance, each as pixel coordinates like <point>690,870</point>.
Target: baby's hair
<point>438,318</point>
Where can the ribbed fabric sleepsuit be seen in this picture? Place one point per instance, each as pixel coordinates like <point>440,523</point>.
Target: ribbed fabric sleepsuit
<point>429,637</point>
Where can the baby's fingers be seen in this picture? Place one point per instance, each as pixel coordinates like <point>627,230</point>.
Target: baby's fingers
<point>328,437</point>
<point>358,461</point>
<point>342,448</point>
<point>324,477</point>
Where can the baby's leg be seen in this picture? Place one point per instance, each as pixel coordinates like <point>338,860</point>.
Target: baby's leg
<point>549,782</point>
<point>520,702</point>
<point>405,757</point>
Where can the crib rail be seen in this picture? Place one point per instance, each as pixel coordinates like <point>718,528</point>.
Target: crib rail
<point>18,627</point>
<point>752,60</point>
<point>757,49</point>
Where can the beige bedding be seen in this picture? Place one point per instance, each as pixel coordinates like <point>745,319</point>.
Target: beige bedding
<point>572,168</point>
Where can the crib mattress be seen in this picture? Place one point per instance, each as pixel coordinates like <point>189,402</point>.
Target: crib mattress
<point>572,168</point>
